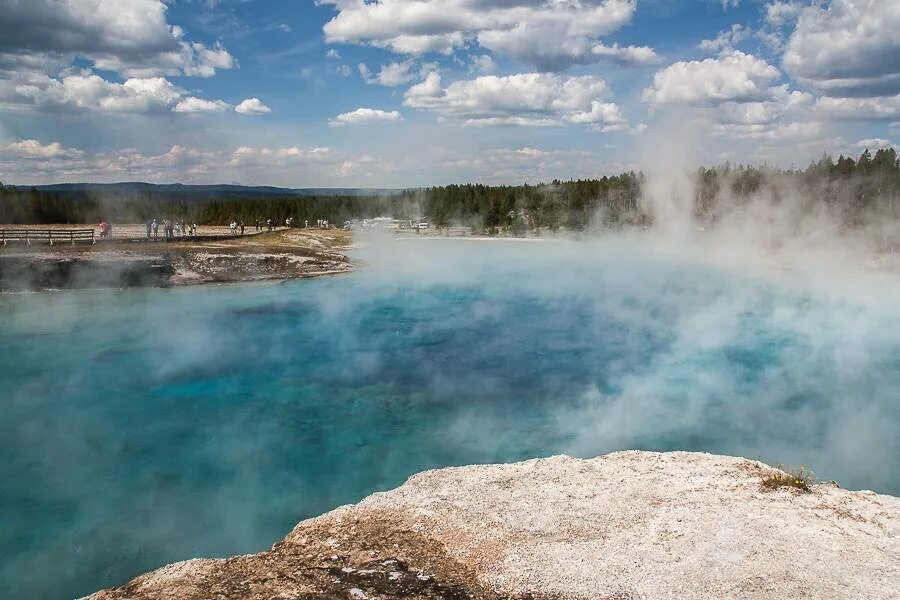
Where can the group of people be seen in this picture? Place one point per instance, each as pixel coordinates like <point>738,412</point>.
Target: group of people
<point>171,229</point>
<point>270,224</point>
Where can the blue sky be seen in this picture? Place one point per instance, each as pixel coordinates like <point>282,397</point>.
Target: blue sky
<point>395,93</point>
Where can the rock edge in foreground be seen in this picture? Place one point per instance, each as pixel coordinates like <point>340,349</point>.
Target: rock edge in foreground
<point>620,526</point>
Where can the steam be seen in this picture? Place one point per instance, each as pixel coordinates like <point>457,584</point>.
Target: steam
<point>148,426</point>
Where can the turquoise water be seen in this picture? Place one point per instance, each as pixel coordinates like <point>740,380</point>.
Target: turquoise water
<point>143,427</point>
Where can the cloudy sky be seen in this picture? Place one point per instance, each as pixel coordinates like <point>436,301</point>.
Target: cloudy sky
<point>395,93</point>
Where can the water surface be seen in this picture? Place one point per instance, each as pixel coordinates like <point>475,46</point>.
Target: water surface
<point>142,427</point>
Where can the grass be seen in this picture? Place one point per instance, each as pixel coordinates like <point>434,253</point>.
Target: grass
<point>800,479</point>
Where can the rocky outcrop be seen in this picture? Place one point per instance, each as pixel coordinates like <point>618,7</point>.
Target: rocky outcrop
<point>625,525</point>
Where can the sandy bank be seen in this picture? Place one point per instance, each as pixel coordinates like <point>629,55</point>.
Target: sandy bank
<point>625,525</point>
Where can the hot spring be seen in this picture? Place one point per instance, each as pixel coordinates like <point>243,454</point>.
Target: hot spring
<point>142,427</point>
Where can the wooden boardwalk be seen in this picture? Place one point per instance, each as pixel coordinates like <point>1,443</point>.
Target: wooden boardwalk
<point>51,236</point>
<point>46,236</point>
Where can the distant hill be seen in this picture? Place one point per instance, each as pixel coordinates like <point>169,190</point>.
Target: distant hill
<point>199,192</point>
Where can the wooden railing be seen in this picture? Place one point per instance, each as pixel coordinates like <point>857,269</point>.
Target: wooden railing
<point>46,236</point>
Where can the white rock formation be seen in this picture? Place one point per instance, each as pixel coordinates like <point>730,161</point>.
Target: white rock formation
<point>626,525</point>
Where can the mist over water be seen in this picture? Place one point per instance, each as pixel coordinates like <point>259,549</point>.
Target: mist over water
<point>143,427</point>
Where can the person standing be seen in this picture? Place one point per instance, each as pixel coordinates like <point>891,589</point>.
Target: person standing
<point>242,228</point>
<point>155,230</point>
<point>149,228</point>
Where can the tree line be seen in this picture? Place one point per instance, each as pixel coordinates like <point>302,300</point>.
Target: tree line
<point>856,191</point>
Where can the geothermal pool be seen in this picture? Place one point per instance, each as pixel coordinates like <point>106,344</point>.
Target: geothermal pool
<point>143,427</point>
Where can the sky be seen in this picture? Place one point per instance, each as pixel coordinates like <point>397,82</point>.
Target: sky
<point>408,93</point>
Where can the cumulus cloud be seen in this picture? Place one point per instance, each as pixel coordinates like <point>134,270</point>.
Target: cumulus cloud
<point>551,35</point>
<point>726,40</point>
<point>875,143</point>
<point>527,99</point>
<point>31,159</point>
<point>852,109</point>
<point>390,75</point>
<point>362,116</point>
<point>484,64</point>
<point>133,39</point>
<point>252,106</point>
<point>194,105</point>
<point>733,77</point>
<point>42,38</point>
<point>34,149</point>
<point>88,91</point>
<point>780,13</point>
<point>263,157</point>
<point>798,131</point>
<point>847,48</point>
<point>736,92</point>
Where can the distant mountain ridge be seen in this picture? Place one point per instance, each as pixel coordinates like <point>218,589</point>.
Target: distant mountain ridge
<point>132,188</point>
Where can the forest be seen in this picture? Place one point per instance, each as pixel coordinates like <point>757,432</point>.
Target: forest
<point>855,192</point>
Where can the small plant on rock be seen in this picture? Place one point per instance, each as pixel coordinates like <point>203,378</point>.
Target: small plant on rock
<point>800,479</point>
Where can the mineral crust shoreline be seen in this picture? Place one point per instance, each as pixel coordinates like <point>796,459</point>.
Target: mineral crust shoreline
<point>283,254</point>
<point>626,525</point>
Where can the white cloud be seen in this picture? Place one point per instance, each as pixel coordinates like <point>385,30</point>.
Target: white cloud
<point>195,105</point>
<point>788,132</point>
<point>362,116</point>
<point>550,35</point>
<point>735,92</point>
<point>780,13</point>
<point>847,47</point>
<point>252,106</point>
<point>263,157</point>
<point>344,71</point>
<point>284,27</point>
<point>528,99</point>
<point>627,55</point>
<point>390,75</point>
<point>726,40</point>
<point>874,143</point>
<point>34,149</point>
<point>30,160</point>
<point>333,54</point>
<point>133,38</point>
<point>87,91</point>
<point>484,64</point>
<point>735,77</point>
<point>851,109</point>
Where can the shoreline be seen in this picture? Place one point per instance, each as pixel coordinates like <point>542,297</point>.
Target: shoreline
<point>117,264</point>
